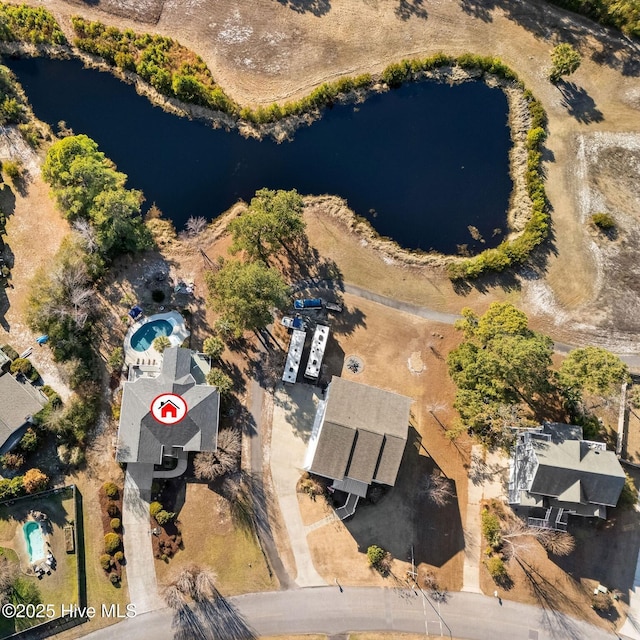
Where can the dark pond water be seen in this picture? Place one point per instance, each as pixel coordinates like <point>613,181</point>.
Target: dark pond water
<point>422,163</point>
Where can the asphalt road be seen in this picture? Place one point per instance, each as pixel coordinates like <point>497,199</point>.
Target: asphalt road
<point>332,611</point>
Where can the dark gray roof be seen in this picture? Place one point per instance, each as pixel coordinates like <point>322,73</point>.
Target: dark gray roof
<point>575,470</point>
<point>141,438</point>
<point>18,401</point>
<point>363,434</point>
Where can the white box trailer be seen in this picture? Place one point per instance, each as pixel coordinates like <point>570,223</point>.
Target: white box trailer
<point>318,346</point>
<point>294,356</point>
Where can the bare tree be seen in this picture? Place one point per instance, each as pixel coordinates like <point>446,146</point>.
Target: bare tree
<point>195,226</point>
<point>521,538</point>
<point>210,465</point>
<point>87,234</point>
<point>186,582</point>
<point>174,597</point>
<point>437,488</point>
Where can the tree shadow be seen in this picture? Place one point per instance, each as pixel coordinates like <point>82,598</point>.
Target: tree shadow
<point>578,103</point>
<point>480,9</point>
<point>223,620</point>
<point>316,7</point>
<point>411,8</point>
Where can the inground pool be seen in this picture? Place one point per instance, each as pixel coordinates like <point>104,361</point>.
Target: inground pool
<point>35,540</point>
<point>143,338</point>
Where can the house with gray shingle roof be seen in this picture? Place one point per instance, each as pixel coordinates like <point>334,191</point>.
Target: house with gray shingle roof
<point>142,438</point>
<point>19,401</point>
<point>358,438</point>
<point>556,472</point>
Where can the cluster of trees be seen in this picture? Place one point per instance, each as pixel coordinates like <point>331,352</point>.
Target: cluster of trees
<point>246,292</point>
<point>31,24</point>
<point>27,445</point>
<point>622,14</point>
<point>502,370</point>
<point>170,68</point>
<point>17,589</point>
<point>91,194</point>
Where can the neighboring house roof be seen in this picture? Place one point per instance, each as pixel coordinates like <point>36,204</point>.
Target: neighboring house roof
<point>18,401</point>
<point>570,470</point>
<point>362,435</point>
<point>141,438</point>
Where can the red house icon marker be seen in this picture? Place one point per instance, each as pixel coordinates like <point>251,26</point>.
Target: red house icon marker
<point>168,409</point>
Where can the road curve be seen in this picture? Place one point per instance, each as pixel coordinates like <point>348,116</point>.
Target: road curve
<point>331,611</point>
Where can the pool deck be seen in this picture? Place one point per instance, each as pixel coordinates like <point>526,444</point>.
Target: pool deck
<point>151,357</point>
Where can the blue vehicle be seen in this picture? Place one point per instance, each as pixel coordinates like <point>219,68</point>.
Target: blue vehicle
<point>308,303</point>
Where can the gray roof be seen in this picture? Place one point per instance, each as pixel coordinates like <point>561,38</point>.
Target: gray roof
<point>574,470</point>
<point>18,401</point>
<point>141,438</point>
<point>363,435</point>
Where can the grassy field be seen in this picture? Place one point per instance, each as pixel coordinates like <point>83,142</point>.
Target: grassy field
<point>216,542</point>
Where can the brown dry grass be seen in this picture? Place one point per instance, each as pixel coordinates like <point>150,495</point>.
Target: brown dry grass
<point>216,542</point>
<point>386,340</point>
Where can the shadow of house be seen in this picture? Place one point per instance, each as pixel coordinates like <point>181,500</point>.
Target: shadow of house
<point>404,517</point>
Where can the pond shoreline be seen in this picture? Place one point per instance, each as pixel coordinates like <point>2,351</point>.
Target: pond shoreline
<point>519,210</point>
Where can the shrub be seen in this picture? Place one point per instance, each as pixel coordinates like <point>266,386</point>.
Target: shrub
<point>213,347</point>
<point>116,360</point>
<point>496,568</point>
<point>375,555</point>
<point>491,529</point>
<point>76,456</point>
<point>105,561</point>
<point>35,480</point>
<point>115,524</point>
<point>118,556</point>
<point>218,378</point>
<point>155,508</point>
<point>12,461</point>
<point>64,454</point>
<point>29,441</point>
<point>21,365</point>
<point>112,543</point>
<point>164,517</point>
<point>112,510</point>
<point>603,221</point>
<point>114,577</point>
<point>161,343</point>
<point>12,169</point>
<point>602,602</point>
<point>629,496</point>
<point>110,489</point>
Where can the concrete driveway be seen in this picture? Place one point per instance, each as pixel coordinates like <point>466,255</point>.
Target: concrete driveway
<point>141,570</point>
<point>293,413</point>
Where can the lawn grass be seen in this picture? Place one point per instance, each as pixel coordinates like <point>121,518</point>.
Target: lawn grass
<point>217,543</point>
<point>61,586</point>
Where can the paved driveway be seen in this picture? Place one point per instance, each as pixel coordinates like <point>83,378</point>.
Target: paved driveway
<point>141,571</point>
<point>293,414</point>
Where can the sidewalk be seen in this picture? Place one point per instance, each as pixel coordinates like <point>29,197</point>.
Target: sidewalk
<point>487,475</point>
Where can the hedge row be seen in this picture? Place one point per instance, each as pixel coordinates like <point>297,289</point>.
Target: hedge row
<point>170,68</point>
<point>29,24</point>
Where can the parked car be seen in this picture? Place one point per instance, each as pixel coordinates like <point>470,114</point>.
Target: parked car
<point>308,303</point>
<point>333,306</point>
<point>292,323</point>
